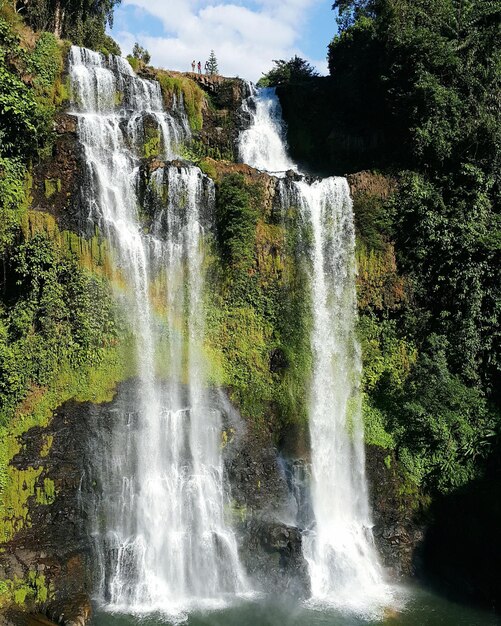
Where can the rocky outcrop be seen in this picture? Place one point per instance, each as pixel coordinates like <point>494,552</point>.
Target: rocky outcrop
<point>399,524</point>
<point>224,119</point>
<point>56,180</point>
<point>49,559</point>
<point>266,514</point>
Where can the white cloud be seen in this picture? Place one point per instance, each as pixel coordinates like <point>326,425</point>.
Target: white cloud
<point>245,38</point>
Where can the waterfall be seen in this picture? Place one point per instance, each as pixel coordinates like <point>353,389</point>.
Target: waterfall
<point>262,145</point>
<point>343,563</point>
<point>162,542</point>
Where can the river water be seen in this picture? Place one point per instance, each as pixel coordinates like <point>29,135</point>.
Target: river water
<point>423,608</point>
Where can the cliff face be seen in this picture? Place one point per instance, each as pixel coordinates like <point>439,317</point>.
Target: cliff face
<point>46,561</point>
<point>258,346</point>
<point>431,411</point>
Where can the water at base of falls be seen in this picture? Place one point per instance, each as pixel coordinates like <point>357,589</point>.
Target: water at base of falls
<point>162,541</point>
<point>343,563</point>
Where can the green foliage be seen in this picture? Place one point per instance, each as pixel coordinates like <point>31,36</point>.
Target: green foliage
<point>444,429</point>
<point>259,317</point>
<point>60,314</point>
<point>376,427</point>
<point>452,260</point>
<point>30,591</point>
<point>430,70</point>
<point>28,82</point>
<point>292,71</point>
<point>107,45</point>
<point>236,220</point>
<point>134,63</point>
<point>20,117</point>
<point>13,198</point>
<point>29,79</point>
<point>387,358</point>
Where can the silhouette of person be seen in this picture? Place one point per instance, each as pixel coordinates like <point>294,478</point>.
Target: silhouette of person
<point>207,67</point>
<point>193,63</point>
<point>199,67</point>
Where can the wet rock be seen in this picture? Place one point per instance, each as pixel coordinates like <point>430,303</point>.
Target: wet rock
<point>53,541</point>
<point>56,181</point>
<point>273,557</point>
<point>270,549</point>
<point>66,123</point>
<point>398,522</point>
<point>75,611</point>
<point>293,175</point>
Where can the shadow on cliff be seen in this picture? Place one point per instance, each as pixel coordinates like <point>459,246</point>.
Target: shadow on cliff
<point>461,553</point>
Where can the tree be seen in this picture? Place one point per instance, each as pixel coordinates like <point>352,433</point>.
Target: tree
<point>140,53</point>
<point>351,10</point>
<point>294,70</point>
<point>78,20</point>
<point>213,70</point>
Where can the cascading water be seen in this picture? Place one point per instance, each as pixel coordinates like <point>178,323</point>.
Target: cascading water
<point>343,563</point>
<point>161,537</point>
<point>262,145</point>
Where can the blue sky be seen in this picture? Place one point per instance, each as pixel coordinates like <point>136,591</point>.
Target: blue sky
<point>245,34</point>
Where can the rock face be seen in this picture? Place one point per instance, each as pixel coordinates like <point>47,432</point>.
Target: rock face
<point>55,545</point>
<point>52,550</point>
<point>398,525</point>
<point>56,181</point>
<point>267,514</point>
<point>223,121</point>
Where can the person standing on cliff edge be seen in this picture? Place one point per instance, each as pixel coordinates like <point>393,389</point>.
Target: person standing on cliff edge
<point>200,67</point>
<point>193,63</point>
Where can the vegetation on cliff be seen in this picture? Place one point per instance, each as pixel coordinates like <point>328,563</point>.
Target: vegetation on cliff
<point>428,240</point>
<point>82,22</point>
<point>60,334</point>
<point>430,71</point>
<point>258,313</point>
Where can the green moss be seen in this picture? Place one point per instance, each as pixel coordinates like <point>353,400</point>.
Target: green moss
<point>52,186</point>
<point>133,62</point>
<point>47,493</point>
<point>207,167</point>
<point>152,145</point>
<point>14,198</point>
<point>17,488</point>
<point>375,428</point>
<point>62,92</point>
<point>193,96</point>
<point>49,439</point>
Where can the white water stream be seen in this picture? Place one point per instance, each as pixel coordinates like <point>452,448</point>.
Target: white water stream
<point>343,564</point>
<point>162,542</point>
